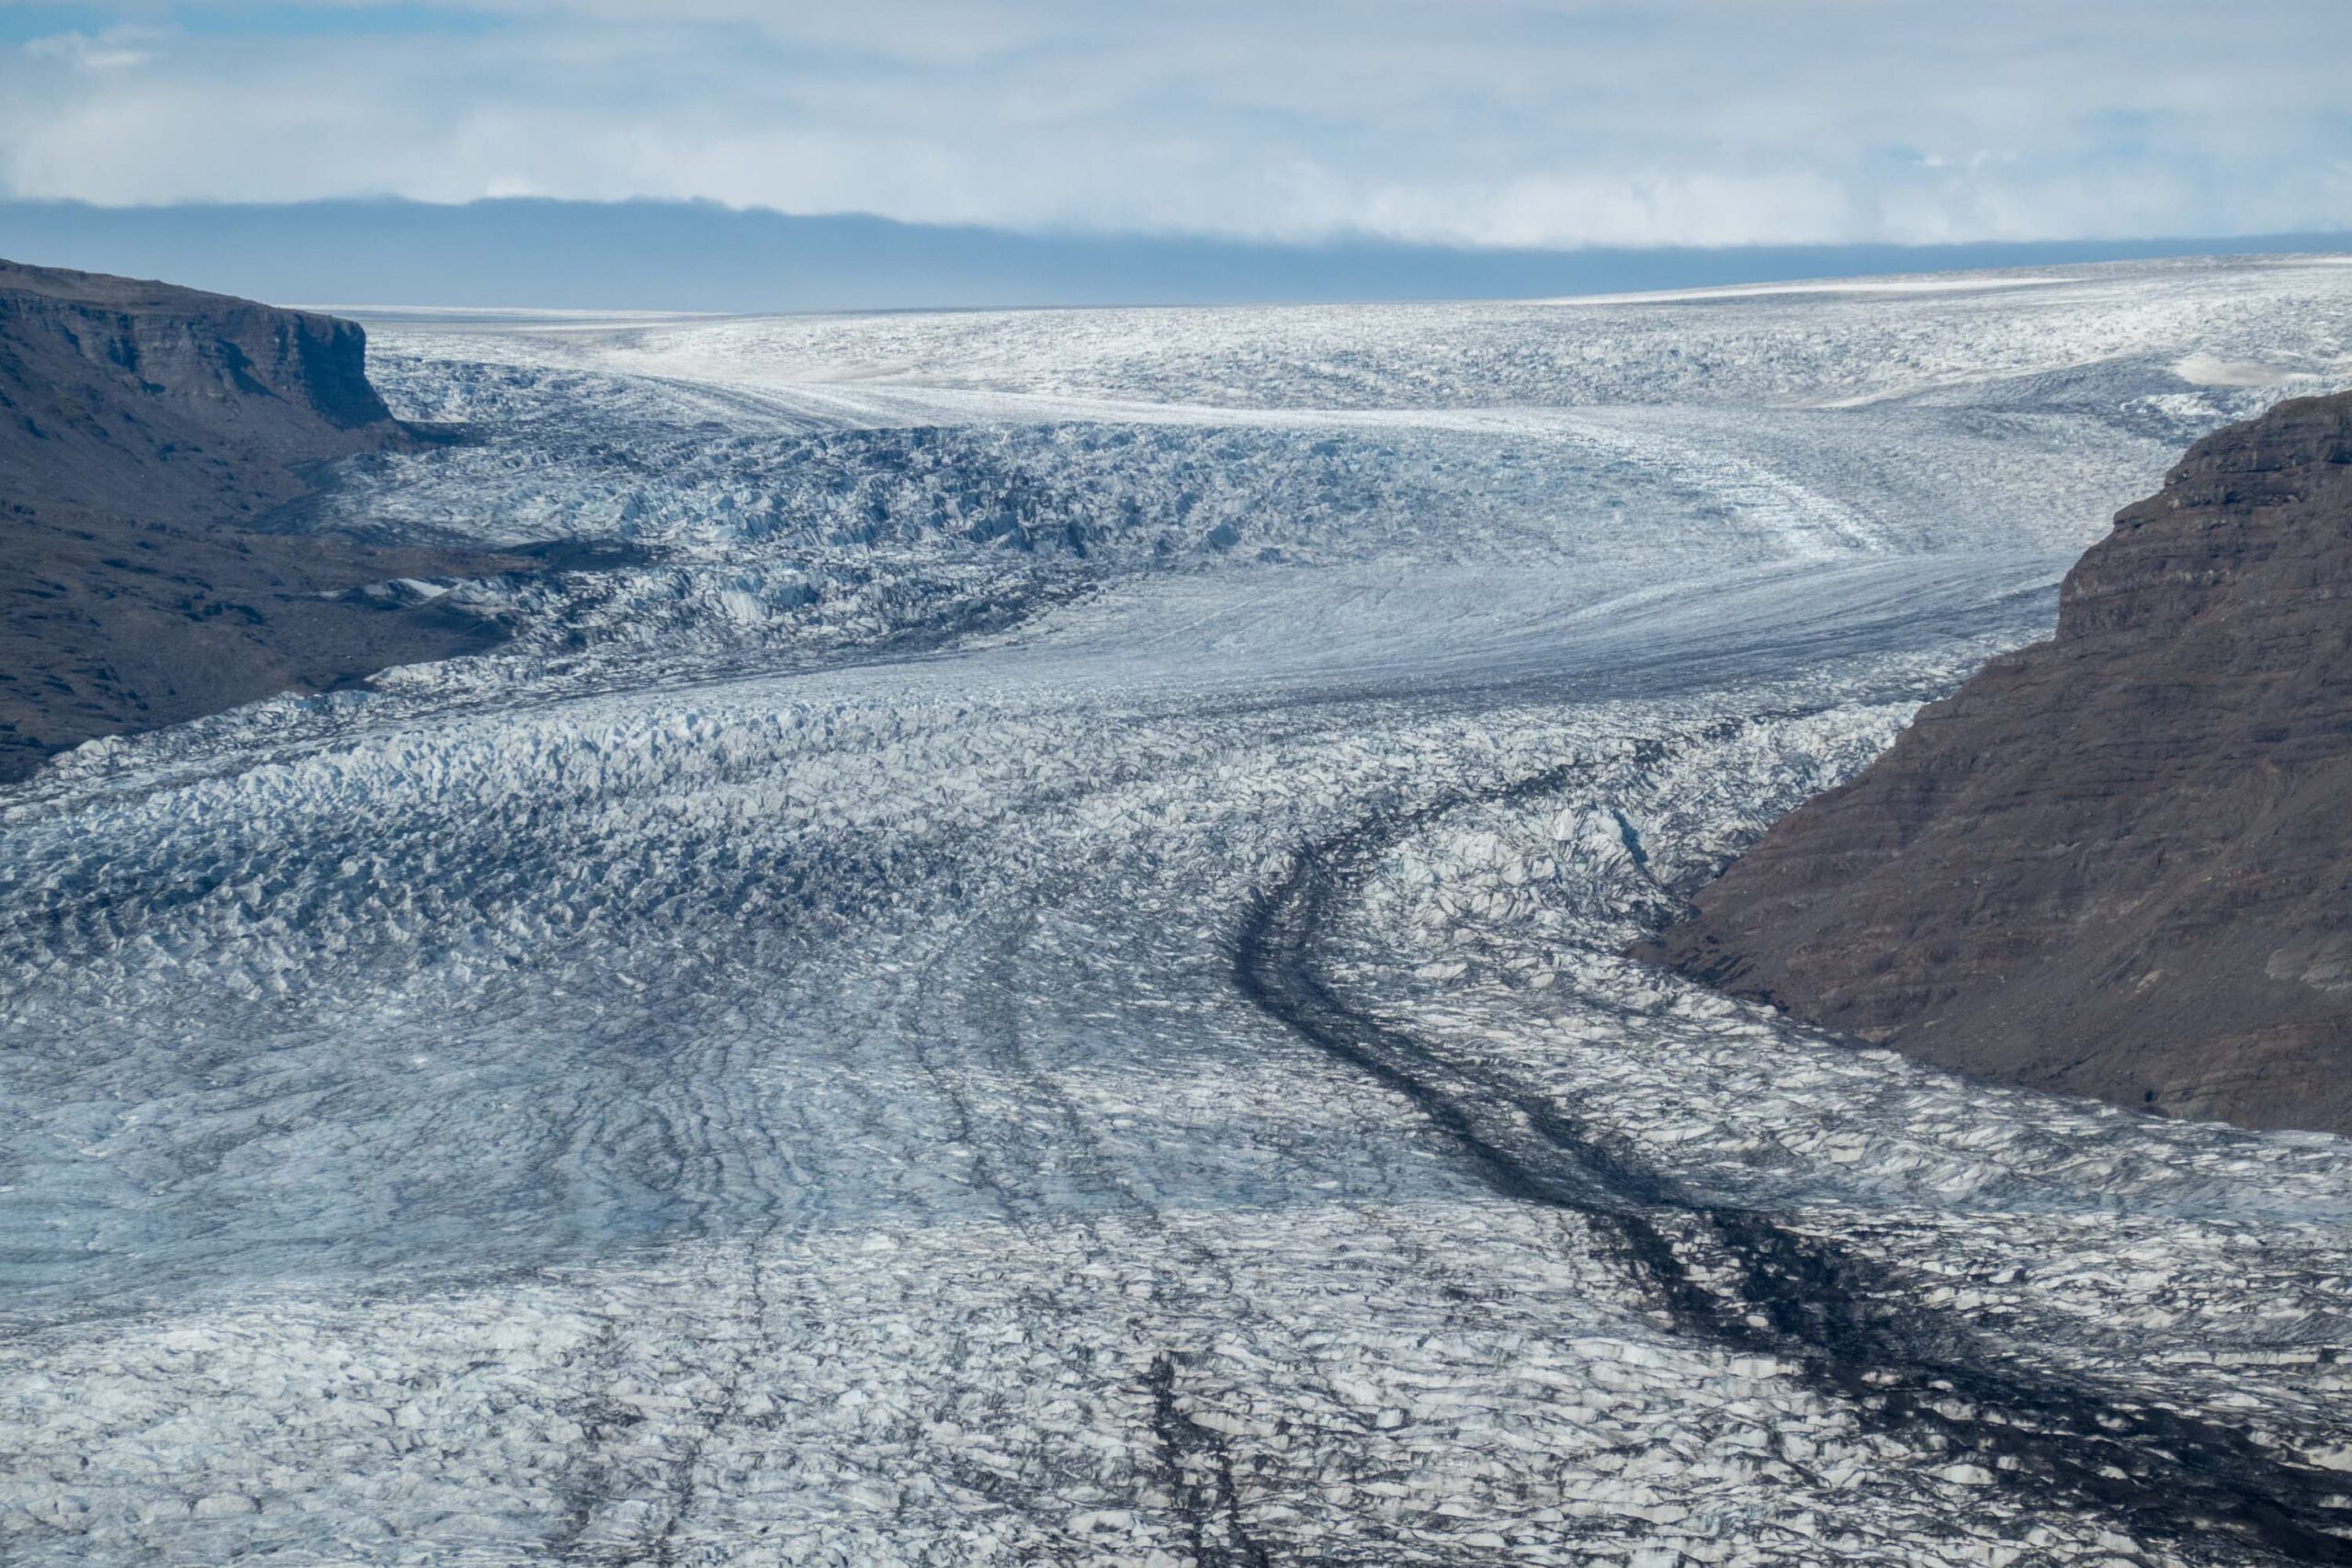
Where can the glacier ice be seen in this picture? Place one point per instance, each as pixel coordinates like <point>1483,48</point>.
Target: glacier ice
<point>760,1070</point>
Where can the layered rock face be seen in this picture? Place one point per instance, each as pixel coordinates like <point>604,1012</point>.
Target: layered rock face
<point>141,398</point>
<point>2119,863</point>
<point>147,435</point>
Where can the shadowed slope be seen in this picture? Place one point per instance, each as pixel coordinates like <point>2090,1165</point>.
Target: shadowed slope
<point>146,433</point>
<point>2118,863</point>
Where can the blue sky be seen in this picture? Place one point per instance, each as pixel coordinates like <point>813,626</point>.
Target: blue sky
<point>1471,122</point>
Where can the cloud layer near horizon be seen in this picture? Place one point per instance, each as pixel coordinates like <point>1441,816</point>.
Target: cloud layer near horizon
<point>1486,122</point>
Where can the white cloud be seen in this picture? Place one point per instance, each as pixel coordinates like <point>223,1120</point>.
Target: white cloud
<point>116,49</point>
<point>1510,122</point>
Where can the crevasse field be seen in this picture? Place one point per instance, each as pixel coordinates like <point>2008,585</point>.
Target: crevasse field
<point>1022,971</point>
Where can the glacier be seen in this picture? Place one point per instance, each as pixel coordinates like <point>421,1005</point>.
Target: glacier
<point>1022,970</point>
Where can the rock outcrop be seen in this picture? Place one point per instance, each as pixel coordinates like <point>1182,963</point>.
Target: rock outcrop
<point>138,398</point>
<point>2118,863</point>
<point>150,439</point>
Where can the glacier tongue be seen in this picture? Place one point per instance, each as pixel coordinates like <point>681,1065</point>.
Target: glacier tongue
<point>768,1071</point>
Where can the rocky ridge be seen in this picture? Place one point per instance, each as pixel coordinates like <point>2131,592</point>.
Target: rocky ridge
<point>153,440</point>
<point>2117,862</point>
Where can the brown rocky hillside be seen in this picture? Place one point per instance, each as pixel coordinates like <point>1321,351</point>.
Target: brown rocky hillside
<point>2118,863</point>
<point>149,437</point>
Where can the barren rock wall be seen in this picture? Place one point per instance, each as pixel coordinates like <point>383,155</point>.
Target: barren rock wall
<point>2118,863</point>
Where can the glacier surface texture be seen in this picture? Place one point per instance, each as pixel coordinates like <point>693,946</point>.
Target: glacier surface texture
<point>1027,976</point>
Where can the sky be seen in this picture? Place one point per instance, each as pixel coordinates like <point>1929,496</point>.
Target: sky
<point>1466,123</point>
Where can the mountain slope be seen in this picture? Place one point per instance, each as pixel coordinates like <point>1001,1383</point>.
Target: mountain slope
<point>142,397</point>
<point>2118,863</point>
<point>147,433</point>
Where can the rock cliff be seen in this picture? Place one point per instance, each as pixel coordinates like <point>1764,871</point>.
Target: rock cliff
<point>2118,863</point>
<point>143,397</point>
<point>148,433</point>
